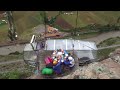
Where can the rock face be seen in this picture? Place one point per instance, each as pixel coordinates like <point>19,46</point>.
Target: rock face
<point>115,55</point>
<point>106,69</point>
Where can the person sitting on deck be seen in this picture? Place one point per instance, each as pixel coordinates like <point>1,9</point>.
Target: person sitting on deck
<point>57,68</point>
<point>72,62</point>
<point>69,62</point>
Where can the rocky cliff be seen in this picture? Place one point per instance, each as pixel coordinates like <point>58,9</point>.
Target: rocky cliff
<point>105,69</point>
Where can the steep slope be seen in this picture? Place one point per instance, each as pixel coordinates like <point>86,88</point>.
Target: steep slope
<point>106,69</point>
<point>90,17</point>
<point>26,20</point>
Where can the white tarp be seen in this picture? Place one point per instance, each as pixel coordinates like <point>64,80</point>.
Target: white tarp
<point>81,48</point>
<point>67,44</point>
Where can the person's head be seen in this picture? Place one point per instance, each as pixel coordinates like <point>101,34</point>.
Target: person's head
<point>55,62</point>
<point>66,55</point>
<point>59,57</point>
<point>59,50</point>
<point>70,58</point>
<point>62,50</point>
<point>69,54</point>
<point>65,58</point>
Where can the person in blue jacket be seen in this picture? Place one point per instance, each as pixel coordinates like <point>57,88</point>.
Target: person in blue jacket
<point>57,68</point>
<point>67,62</point>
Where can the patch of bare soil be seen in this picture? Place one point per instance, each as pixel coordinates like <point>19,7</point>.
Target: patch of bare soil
<point>62,23</point>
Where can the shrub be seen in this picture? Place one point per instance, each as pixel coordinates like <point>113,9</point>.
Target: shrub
<point>110,42</point>
<point>15,53</point>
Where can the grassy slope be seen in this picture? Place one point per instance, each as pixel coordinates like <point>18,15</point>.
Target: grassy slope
<point>3,33</point>
<point>104,53</point>
<point>52,13</point>
<point>88,17</point>
<point>26,20</point>
<point>3,30</point>
<point>5,58</point>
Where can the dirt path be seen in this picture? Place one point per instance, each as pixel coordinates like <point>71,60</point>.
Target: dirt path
<point>9,49</point>
<point>104,36</point>
<point>109,47</point>
<point>39,29</point>
<point>9,62</point>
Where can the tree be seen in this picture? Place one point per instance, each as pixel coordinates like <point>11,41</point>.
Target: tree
<point>75,30</point>
<point>12,30</point>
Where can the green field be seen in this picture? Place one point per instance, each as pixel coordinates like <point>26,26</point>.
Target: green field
<point>3,33</point>
<point>26,20</point>
<point>18,70</point>
<point>89,17</point>
<point>15,74</point>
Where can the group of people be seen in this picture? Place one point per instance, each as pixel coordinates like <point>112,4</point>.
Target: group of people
<point>58,59</point>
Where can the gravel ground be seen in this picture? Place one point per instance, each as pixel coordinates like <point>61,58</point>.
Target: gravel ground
<point>39,29</point>
<point>9,49</point>
<point>9,62</point>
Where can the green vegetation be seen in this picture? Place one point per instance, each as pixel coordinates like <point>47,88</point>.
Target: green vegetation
<point>12,56</point>
<point>52,13</point>
<point>91,17</point>
<point>16,53</point>
<point>18,70</point>
<point>109,42</point>
<point>99,28</point>
<point>3,33</point>
<point>82,36</point>
<point>103,53</point>
<point>15,74</point>
<point>26,20</point>
<point>88,31</point>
